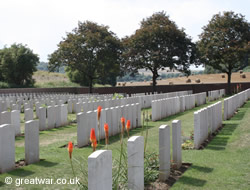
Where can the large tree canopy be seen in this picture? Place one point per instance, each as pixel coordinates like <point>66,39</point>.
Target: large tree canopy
<point>91,53</point>
<point>158,44</point>
<point>225,43</point>
<point>17,64</point>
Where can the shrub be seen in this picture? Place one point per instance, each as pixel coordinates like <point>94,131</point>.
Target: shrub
<point>4,85</point>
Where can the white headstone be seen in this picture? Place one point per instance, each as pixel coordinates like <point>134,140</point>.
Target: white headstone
<point>176,143</point>
<point>164,152</point>
<point>15,121</point>
<point>42,118</point>
<point>31,141</point>
<point>136,163</point>
<point>100,168</point>
<point>7,149</point>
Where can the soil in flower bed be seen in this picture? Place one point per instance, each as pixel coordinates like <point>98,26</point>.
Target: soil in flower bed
<point>175,174</point>
<point>21,163</point>
<point>75,146</point>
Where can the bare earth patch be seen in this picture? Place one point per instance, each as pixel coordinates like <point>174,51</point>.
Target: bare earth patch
<point>175,174</point>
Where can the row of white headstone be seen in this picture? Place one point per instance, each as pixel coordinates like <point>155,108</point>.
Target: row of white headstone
<point>146,100</point>
<point>7,145</point>
<point>232,103</point>
<point>200,98</point>
<point>56,116</point>
<point>216,94</point>
<point>100,162</point>
<point>12,118</point>
<point>76,103</point>
<point>77,106</point>
<point>61,96</point>
<point>50,117</point>
<point>23,102</point>
<point>111,116</point>
<point>170,106</point>
<point>209,119</point>
<point>206,121</point>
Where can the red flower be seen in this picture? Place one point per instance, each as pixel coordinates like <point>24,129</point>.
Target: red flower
<point>93,139</point>
<point>106,129</point>
<point>99,109</point>
<point>123,124</point>
<point>92,135</point>
<point>128,125</point>
<point>70,149</point>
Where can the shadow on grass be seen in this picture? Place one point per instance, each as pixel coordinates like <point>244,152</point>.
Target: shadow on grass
<point>45,132</point>
<point>58,128</point>
<point>20,172</point>
<point>202,168</point>
<point>132,132</point>
<point>45,163</point>
<point>220,141</point>
<point>238,116</point>
<point>228,129</point>
<point>241,112</point>
<point>117,137</point>
<point>1,184</point>
<point>192,181</point>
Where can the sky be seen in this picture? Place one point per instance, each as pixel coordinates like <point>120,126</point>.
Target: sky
<point>41,24</point>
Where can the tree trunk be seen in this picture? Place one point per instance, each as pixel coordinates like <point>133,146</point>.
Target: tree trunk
<point>155,76</point>
<point>229,82</point>
<point>90,85</point>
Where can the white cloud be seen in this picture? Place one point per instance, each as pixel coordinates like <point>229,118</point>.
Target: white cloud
<point>42,24</point>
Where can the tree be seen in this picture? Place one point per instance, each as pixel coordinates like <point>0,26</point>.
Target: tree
<point>225,43</point>
<point>210,70</point>
<point>90,53</point>
<point>158,44</point>
<point>17,64</point>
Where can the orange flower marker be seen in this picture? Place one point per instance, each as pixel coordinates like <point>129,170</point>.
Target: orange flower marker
<point>128,127</point>
<point>123,124</point>
<point>70,149</point>
<point>93,139</point>
<point>106,129</point>
<point>99,109</point>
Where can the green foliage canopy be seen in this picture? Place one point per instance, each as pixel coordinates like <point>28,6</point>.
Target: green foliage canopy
<point>158,44</point>
<point>17,64</point>
<point>225,43</point>
<point>91,54</point>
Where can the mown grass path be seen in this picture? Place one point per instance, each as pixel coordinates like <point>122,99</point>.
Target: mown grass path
<point>225,162</point>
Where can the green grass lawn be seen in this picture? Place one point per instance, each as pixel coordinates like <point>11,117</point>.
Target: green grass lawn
<point>225,162</point>
<point>222,165</point>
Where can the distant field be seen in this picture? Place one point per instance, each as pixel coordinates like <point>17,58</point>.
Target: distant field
<point>203,79</point>
<point>45,79</point>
